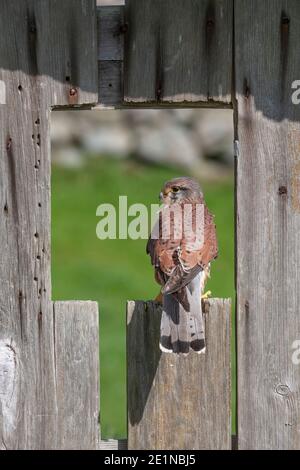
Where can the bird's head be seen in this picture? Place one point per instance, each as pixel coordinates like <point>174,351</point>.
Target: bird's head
<point>180,190</point>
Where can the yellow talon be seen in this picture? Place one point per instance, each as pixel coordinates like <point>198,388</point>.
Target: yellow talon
<point>159,298</point>
<point>206,295</point>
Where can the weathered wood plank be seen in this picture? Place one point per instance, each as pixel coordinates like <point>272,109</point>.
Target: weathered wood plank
<point>178,402</point>
<point>111,30</point>
<point>42,43</point>
<point>110,84</point>
<point>268,223</point>
<point>178,52</point>
<point>113,444</point>
<point>76,353</point>
<point>55,44</point>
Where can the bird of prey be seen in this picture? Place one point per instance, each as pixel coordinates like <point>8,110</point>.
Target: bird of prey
<point>181,248</point>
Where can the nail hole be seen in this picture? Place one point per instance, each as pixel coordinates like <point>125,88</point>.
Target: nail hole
<point>282,190</point>
<point>210,23</point>
<point>6,208</point>
<point>35,279</point>
<point>38,257</point>
<point>9,144</point>
<point>32,26</point>
<point>285,20</point>
<point>110,85</point>
<point>20,88</point>
<point>247,90</point>
<point>36,235</point>
<point>39,204</point>
<point>123,28</point>
<point>68,79</point>
<point>73,92</point>
<point>37,122</point>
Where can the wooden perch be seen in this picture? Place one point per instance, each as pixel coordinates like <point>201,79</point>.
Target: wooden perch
<point>175,401</point>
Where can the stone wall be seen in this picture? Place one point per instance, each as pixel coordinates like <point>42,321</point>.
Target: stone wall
<point>186,138</point>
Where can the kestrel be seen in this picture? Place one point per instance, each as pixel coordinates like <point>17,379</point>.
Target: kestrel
<point>182,245</point>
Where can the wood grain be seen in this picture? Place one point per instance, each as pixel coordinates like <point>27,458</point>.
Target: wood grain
<point>111,30</point>
<point>47,49</point>
<point>178,52</point>
<point>76,354</point>
<point>268,223</point>
<point>175,401</point>
<point>113,444</point>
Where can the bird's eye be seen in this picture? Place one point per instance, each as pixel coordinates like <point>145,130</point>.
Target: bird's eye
<point>175,189</point>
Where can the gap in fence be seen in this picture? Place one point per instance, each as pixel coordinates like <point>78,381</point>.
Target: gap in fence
<point>97,156</point>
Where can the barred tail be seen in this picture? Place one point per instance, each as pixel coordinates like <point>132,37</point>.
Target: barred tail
<point>182,328</point>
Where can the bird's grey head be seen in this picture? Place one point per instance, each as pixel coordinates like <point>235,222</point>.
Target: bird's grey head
<point>178,190</point>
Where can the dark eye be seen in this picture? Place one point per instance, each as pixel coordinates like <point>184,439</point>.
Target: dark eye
<point>175,189</point>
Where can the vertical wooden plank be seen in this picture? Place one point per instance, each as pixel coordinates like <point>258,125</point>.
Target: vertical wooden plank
<point>76,353</point>
<point>111,30</point>
<point>42,43</point>
<point>175,401</point>
<point>113,444</point>
<point>178,52</point>
<point>268,223</point>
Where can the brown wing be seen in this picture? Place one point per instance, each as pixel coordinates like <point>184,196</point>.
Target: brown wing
<point>203,255</point>
<point>162,251</point>
<point>152,250</point>
<point>175,268</point>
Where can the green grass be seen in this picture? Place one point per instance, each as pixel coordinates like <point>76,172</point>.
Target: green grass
<point>112,271</point>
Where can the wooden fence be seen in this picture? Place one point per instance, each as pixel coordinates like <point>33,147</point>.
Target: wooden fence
<point>239,54</point>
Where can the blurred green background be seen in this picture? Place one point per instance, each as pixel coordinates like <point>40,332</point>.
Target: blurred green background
<point>113,271</point>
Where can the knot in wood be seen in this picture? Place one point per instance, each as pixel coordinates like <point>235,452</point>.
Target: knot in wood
<point>283,390</point>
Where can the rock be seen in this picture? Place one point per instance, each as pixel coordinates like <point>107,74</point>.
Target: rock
<point>172,145</point>
<point>112,140</point>
<point>185,117</point>
<point>150,117</point>
<point>61,128</point>
<point>178,137</point>
<point>214,133</point>
<point>69,157</point>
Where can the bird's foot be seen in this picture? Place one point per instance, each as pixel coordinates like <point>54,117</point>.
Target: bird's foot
<point>159,298</point>
<point>206,295</point>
